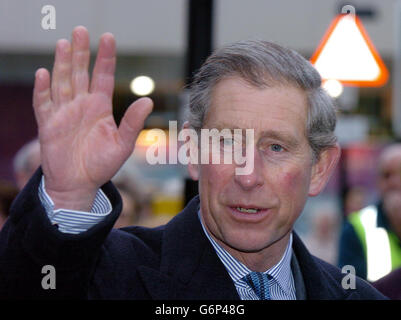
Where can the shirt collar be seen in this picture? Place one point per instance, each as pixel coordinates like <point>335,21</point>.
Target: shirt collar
<point>281,272</point>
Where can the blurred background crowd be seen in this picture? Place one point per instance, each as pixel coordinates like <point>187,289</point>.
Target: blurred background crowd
<point>156,53</point>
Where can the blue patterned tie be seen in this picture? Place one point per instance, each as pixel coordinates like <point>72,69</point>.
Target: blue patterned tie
<point>259,282</point>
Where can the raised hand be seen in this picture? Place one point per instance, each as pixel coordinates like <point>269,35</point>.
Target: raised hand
<point>81,146</point>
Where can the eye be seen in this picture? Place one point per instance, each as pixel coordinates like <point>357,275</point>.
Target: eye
<point>276,147</point>
<point>228,141</point>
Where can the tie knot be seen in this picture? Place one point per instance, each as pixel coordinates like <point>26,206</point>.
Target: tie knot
<point>259,282</point>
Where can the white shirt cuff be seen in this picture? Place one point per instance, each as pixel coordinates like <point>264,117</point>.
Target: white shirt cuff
<point>72,221</point>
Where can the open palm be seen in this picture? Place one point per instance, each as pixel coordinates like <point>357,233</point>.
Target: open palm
<point>81,146</point>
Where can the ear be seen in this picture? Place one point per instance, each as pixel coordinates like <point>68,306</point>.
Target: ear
<point>323,168</point>
<point>193,168</point>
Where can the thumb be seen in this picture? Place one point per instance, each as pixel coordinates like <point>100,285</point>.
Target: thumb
<point>133,121</point>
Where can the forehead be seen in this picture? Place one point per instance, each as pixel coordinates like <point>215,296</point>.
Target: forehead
<point>235,103</point>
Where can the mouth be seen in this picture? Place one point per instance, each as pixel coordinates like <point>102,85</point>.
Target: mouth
<point>248,212</point>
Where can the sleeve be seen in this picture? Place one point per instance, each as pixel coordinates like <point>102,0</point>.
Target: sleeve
<point>71,221</point>
<point>351,251</point>
<point>29,243</point>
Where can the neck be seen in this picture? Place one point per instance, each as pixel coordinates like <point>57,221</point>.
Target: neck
<point>262,260</point>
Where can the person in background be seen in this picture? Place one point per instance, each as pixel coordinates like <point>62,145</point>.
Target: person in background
<point>370,238</point>
<point>26,161</point>
<point>355,200</point>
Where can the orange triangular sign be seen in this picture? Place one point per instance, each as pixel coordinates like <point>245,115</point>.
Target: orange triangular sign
<point>347,54</point>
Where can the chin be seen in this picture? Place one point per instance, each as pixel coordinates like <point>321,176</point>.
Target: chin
<point>249,244</point>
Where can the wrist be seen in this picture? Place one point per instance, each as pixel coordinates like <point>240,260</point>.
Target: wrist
<point>77,200</point>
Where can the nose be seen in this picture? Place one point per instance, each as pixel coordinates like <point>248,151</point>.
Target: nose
<point>255,178</point>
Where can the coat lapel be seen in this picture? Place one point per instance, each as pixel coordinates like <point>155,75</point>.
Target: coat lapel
<point>189,267</point>
<point>318,281</point>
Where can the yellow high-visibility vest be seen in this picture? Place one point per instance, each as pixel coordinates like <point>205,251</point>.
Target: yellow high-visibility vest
<point>381,248</point>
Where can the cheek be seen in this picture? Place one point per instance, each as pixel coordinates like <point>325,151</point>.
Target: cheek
<point>292,196</point>
<point>213,178</point>
<point>294,179</point>
<point>216,172</point>
<point>213,181</point>
<point>294,186</point>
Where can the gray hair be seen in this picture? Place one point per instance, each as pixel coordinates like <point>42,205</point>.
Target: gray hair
<point>265,64</point>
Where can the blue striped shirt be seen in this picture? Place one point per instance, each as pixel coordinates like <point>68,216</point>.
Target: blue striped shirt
<point>72,221</point>
<point>281,285</point>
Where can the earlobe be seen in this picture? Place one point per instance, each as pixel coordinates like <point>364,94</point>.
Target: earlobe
<point>323,169</point>
<point>193,170</point>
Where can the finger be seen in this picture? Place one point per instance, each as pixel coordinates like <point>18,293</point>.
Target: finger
<point>133,121</point>
<point>41,95</point>
<point>61,77</point>
<point>80,61</point>
<point>103,72</point>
